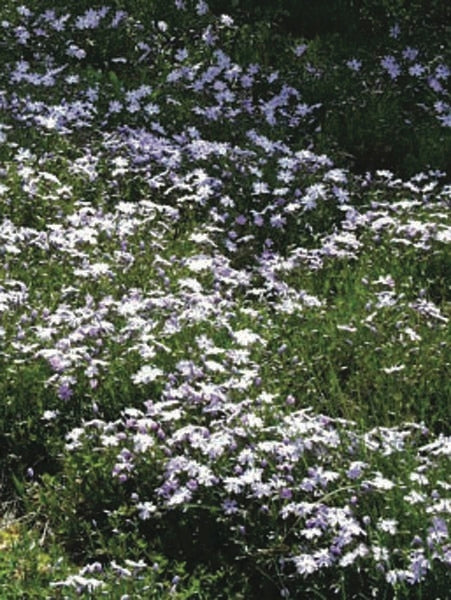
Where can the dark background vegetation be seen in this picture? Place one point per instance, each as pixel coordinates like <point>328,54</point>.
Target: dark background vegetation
<point>370,130</point>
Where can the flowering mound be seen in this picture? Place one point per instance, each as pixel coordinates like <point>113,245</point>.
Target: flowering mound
<point>224,351</point>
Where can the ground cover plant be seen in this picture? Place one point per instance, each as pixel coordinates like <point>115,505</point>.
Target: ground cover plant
<point>224,300</point>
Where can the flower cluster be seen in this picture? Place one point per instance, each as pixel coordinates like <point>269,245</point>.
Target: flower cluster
<point>202,313</point>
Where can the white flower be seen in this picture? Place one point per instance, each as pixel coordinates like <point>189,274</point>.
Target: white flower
<point>412,334</point>
<point>394,369</point>
<point>415,497</point>
<point>142,442</point>
<point>381,483</point>
<point>50,414</point>
<point>388,525</point>
<point>226,20</point>
<point>246,337</point>
<point>305,564</point>
<point>181,496</point>
<point>199,263</point>
<point>213,365</point>
<point>192,284</point>
<point>145,510</point>
<point>147,374</point>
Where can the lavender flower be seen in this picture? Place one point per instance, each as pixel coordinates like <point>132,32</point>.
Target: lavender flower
<point>354,64</point>
<point>390,64</point>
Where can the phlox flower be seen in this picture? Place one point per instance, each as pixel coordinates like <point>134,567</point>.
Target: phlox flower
<point>24,11</point>
<point>381,483</point>
<point>388,525</point>
<point>146,374</point>
<point>311,533</point>
<point>278,221</point>
<point>350,557</point>
<point>418,567</point>
<point>391,66</point>
<point>74,51</point>
<point>226,20</point>
<point>300,49</point>
<point>442,72</point>
<point>22,35</point>
<point>181,496</point>
<point>91,18</point>
<point>416,70</point>
<point>410,53</point>
<point>355,469</point>
<point>80,583</point>
<point>230,506</point>
<point>438,532</point>
<point>162,26</point>
<point>90,568</point>
<point>305,564</point>
<point>146,510</point>
<point>181,54</point>
<point>440,106</point>
<point>395,30</point>
<point>201,8</point>
<point>49,415</point>
<point>120,571</point>
<point>394,369</point>
<point>119,16</point>
<point>354,64</point>
<point>260,187</point>
<point>445,120</point>
<point>58,24</point>
<point>65,392</point>
<point>380,553</point>
<point>142,442</point>
<point>336,175</point>
<point>435,84</point>
<point>246,337</point>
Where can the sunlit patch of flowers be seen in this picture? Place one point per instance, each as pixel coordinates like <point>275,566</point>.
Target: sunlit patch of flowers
<point>316,481</point>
